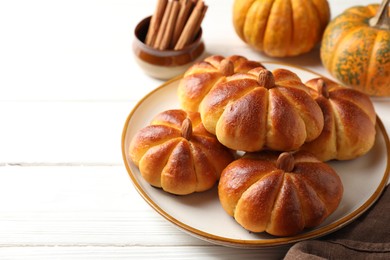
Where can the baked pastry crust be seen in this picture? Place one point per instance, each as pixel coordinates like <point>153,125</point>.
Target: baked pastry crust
<point>350,118</point>
<point>279,194</point>
<point>262,110</point>
<point>177,154</point>
<point>200,78</point>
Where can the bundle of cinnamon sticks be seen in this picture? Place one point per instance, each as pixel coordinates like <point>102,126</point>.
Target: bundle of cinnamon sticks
<point>175,23</point>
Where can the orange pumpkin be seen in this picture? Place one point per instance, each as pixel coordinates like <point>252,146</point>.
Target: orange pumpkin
<point>356,48</point>
<point>281,28</point>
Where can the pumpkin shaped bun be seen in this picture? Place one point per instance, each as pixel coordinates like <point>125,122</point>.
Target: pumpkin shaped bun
<point>279,194</point>
<point>202,76</point>
<point>176,153</point>
<point>262,110</point>
<point>349,116</point>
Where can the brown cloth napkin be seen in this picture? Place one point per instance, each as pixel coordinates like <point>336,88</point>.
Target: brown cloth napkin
<point>368,237</point>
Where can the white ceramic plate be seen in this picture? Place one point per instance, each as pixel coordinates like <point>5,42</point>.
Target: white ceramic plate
<point>201,214</point>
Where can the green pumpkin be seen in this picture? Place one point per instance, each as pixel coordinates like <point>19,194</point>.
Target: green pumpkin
<point>356,48</point>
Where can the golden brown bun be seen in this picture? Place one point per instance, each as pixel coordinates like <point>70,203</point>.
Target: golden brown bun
<point>349,129</point>
<point>259,109</point>
<point>202,76</point>
<point>176,153</point>
<point>279,196</point>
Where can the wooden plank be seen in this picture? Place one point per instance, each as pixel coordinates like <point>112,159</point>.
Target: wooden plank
<point>139,252</point>
<point>67,206</point>
<point>62,132</point>
<point>83,53</point>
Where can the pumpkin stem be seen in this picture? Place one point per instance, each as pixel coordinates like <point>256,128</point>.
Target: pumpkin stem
<point>226,68</point>
<point>186,129</point>
<point>381,20</point>
<point>266,79</point>
<point>322,88</point>
<point>285,162</point>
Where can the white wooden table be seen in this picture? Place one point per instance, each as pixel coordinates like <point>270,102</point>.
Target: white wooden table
<point>68,80</point>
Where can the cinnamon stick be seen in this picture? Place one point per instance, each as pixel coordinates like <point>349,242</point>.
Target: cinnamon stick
<point>185,10</point>
<point>163,25</point>
<point>190,27</point>
<point>168,33</point>
<point>155,22</point>
<point>197,28</point>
